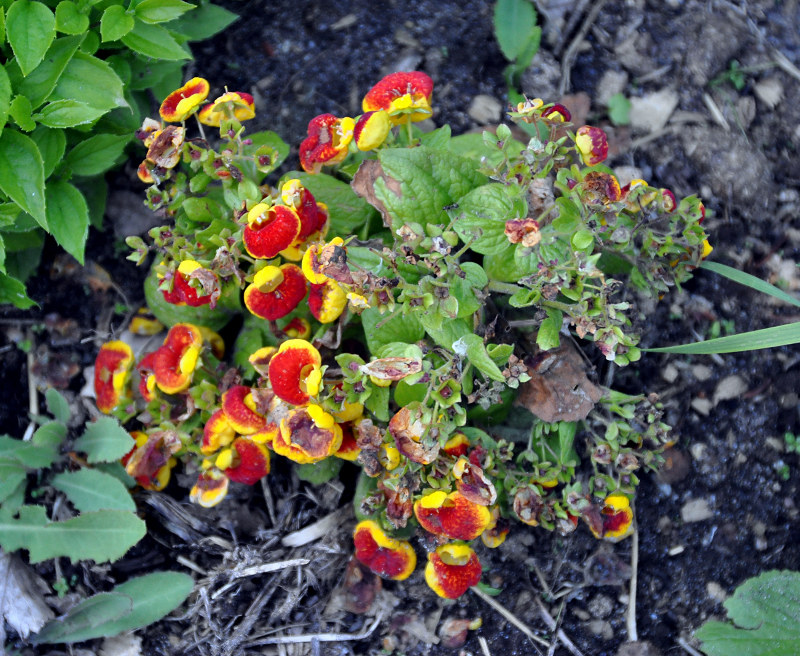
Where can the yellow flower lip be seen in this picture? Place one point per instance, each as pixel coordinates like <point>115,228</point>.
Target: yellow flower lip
<point>452,569</point>
<point>232,104</point>
<point>181,103</point>
<point>175,361</point>
<point>405,96</point>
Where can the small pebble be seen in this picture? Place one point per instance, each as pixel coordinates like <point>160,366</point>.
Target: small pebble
<point>702,372</point>
<point>702,406</point>
<point>696,510</point>
<point>716,591</point>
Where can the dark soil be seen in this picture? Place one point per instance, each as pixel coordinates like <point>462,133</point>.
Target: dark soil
<point>729,413</point>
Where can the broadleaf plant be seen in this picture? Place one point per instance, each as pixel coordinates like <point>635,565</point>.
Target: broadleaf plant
<point>71,93</point>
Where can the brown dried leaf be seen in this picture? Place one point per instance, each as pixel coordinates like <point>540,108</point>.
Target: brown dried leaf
<point>559,389</point>
<point>364,185</point>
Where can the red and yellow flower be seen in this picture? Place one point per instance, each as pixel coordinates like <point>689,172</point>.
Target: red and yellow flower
<point>308,434</point>
<point>275,291</point>
<point>245,461</point>
<point>210,488</point>
<point>270,229</point>
<point>371,129</point>
<point>404,96</point>
<point>175,361</point>
<point>112,369</point>
<point>592,144</point>
<point>231,105</point>
<point>241,411</point>
<point>183,293</point>
<point>616,517</point>
<point>452,569</point>
<point>451,515</point>
<point>327,142</point>
<point>217,433</point>
<point>151,460</point>
<point>295,371</point>
<point>183,102</point>
<point>327,301</point>
<point>386,556</point>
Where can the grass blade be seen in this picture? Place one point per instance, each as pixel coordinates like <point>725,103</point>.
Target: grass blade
<point>750,341</point>
<point>750,281</point>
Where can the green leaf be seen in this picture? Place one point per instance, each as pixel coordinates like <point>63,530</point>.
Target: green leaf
<point>57,405</point>
<point>619,108</point>
<point>548,336</point>
<point>30,28</point>
<point>321,472</point>
<point>472,346</point>
<point>153,596</point>
<point>12,473</point>
<point>765,612</point>
<point>5,97</point>
<point>21,110</point>
<point>419,183</point>
<point>514,21</point>
<point>482,216</point>
<point>448,332</point>
<point>13,291</point>
<point>104,440</point>
<point>90,613</point>
<point>92,81</point>
<point>115,23</point>
<point>381,329</point>
<point>96,154</point>
<point>750,281</point>
<point>95,191</point>
<point>204,22</point>
<point>348,212</point>
<point>378,402</point>
<point>90,490</point>
<point>51,144</point>
<point>67,114</point>
<point>525,57</point>
<point>582,240</point>
<point>69,18</point>
<point>511,264</point>
<point>154,41</point>
<point>68,217</point>
<point>40,83</point>
<point>22,174</point>
<point>749,341</point>
<point>101,536</point>
<point>474,147</point>
<point>161,11</point>
<point>49,436</point>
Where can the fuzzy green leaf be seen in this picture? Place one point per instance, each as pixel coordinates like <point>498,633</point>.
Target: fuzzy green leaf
<point>12,473</point>
<point>68,217</point>
<point>514,25</point>
<point>321,472</point>
<point>153,596</point>
<point>96,154</point>
<point>381,329</point>
<point>765,612</point>
<point>91,81</point>
<point>101,536</point>
<point>472,346</point>
<point>95,611</point>
<point>154,41</point>
<point>33,456</point>
<point>67,114</point>
<point>90,490</point>
<point>104,440</point>
<point>511,264</point>
<point>378,403</point>
<point>30,28</point>
<point>548,336</point>
<point>69,19</point>
<point>57,405</point>
<point>115,23</point>
<point>482,215</point>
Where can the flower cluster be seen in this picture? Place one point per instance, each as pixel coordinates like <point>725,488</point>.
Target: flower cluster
<point>376,319</point>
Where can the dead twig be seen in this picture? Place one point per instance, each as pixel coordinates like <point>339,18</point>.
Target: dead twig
<point>688,648</point>
<point>551,624</point>
<point>572,51</point>
<point>316,530</point>
<point>33,395</point>
<point>630,617</point>
<point>513,619</point>
<point>484,646</point>
<point>321,637</point>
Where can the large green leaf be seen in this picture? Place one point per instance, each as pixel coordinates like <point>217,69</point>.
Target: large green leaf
<point>750,341</point>
<point>104,440</point>
<point>68,217</point>
<point>154,41</point>
<point>40,83</point>
<point>91,81</point>
<point>67,114</point>
<point>153,596</point>
<point>765,612</point>
<point>22,174</point>
<point>89,614</point>
<point>12,473</point>
<point>70,19</point>
<point>115,23</point>
<point>161,11</point>
<point>31,28</point>
<point>31,455</point>
<point>511,264</point>
<point>51,144</point>
<point>750,281</point>
<point>381,329</point>
<point>13,291</point>
<point>101,536</point>
<point>96,154</point>
<point>418,184</point>
<point>204,22</point>
<point>90,490</point>
<point>482,215</point>
<point>57,405</point>
<point>514,26</point>
<point>5,97</point>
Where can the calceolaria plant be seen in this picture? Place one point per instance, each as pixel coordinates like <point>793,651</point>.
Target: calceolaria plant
<point>398,293</point>
<point>75,84</point>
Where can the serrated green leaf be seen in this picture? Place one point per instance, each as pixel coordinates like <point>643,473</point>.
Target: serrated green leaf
<point>57,405</point>
<point>393,328</point>
<point>102,536</point>
<point>548,336</point>
<point>5,97</point>
<point>153,595</point>
<point>51,144</point>
<point>104,440</point>
<point>90,490</point>
<point>765,612</point>
<point>154,41</point>
<point>13,291</point>
<point>482,215</point>
<point>204,22</point>
<point>348,212</point>
<point>30,28</point>
<point>96,154</point>
<point>40,83</point>
<point>68,217</point>
<point>21,110</point>
<point>161,11</point>
<point>511,264</point>
<point>92,81</point>
<point>49,435</point>
<point>69,18</point>
<point>420,182</point>
<point>2,24</point>
<point>472,347</point>
<point>749,341</point>
<point>67,114</point>
<point>22,174</point>
<point>514,21</point>
<point>115,23</point>
<point>12,473</point>
<point>90,613</point>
